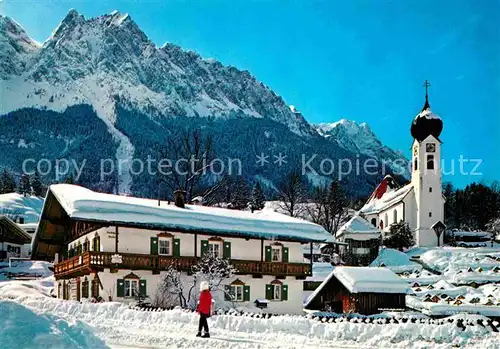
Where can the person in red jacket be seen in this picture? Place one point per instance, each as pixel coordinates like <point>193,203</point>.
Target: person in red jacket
<point>204,309</point>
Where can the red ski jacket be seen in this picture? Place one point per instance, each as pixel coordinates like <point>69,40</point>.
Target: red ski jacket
<point>205,303</point>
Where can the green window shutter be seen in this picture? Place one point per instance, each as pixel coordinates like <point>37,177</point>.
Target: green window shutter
<point>227,292</point>
<point>177,248</point>
<point>154,245</point>
<point>284,253</point>
<point>268,254</point>
<point>120,288</point>
<point>284,292</point>
<point>142,288</point>
<point>269,291</point>
<point>246,293</point>
<point>204,247</point>
<point>226,253</point>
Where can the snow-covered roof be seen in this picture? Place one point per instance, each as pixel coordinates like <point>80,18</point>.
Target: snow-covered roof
<point>83,204</point>
<point>478,234</point>
<point>384,197</point>
<point>357,224</point>
<point>364,280</point>
<point>369,279</point>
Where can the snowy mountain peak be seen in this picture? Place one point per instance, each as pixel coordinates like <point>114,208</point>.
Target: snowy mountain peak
<point>16,48</point>
<point>358,138</point>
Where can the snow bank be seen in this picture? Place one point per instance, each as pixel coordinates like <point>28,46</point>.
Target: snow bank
<point>119,325</point>
<point>23,328</point>
<point>445,259</point>
<point>39,269</point>
<point>395,260</point>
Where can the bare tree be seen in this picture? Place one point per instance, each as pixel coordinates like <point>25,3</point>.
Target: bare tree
<point>329,207</point>
<point>291,193</point>
<point>190,156</point>
<point>175,289</point>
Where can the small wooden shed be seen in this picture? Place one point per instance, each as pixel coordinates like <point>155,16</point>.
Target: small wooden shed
<point>361,290</point>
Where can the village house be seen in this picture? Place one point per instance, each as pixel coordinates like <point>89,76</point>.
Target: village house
<point>361,241</point>
<point>113,246</point>
<point>359,290</point>
<point>14,241</point>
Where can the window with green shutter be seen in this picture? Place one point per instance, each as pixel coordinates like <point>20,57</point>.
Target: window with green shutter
<point>120,288</point>
<point>154,245</point>
<point>142,288</point>
<point>246,293</point>
<point>284,292</point>
<point>268,254</point>
<point>177,247</point>
<point>285,254</point>
<point>204,247</point>
<point>269,291</point>
<point>226,253</point>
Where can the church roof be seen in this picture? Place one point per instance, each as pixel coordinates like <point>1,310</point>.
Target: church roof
<point>385,195</point>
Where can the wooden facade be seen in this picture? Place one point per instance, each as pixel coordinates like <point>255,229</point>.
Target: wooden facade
<point>90,261</point>
<point>335,297</point>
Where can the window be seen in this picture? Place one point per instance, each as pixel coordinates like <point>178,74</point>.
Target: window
<point>276,253</point>
<point>415,164</point>
<point>395,216</point>
<point>96,243</point>
<point>430,162</point>
<point>165,246</point>
<point>374,222</point>
<point>214,248</point>
<point>430,189</point>
<point>276,292</point>
<point>430,214</point>
<point>237,293</point>
<point>131,288</point>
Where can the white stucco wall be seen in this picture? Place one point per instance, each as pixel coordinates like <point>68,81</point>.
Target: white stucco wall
<point>133,240</point>
<point>257,289</point>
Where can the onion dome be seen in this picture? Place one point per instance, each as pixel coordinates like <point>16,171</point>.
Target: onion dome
<point>426,123</point>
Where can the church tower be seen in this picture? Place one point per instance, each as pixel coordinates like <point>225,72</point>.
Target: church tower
<point>426,174</point>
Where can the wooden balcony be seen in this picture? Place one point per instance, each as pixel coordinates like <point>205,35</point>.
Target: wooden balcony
<point>89,262</point>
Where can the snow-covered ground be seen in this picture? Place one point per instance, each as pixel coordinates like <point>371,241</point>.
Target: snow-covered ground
<point>32,319</point>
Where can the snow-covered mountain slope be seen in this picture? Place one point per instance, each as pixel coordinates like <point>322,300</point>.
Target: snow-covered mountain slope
<point>100,60</point>
<point>360,139</point>
<point>100,83</point>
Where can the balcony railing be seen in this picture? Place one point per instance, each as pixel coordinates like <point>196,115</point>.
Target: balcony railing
<point>94,261</point>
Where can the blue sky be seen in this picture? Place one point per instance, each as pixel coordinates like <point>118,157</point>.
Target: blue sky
<point>359,60</point>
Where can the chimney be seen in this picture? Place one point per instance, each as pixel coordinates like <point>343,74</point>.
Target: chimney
<point>180,198</point>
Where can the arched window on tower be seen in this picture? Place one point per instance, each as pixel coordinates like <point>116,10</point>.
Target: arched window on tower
<point>374,222</point>
<point>430,162</point>
<point>415,163</point>
<point>395,216</point>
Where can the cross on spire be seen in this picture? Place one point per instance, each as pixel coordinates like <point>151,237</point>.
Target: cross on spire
<point>426,84</point>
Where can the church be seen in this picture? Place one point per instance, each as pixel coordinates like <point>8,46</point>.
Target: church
<point>419,203</point>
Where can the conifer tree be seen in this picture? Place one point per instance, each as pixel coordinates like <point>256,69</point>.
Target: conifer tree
<point>400,236</point>
<point>36,184</point>
<point>8,183</point>
<point>258,198</point>
<point>25,185</point>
